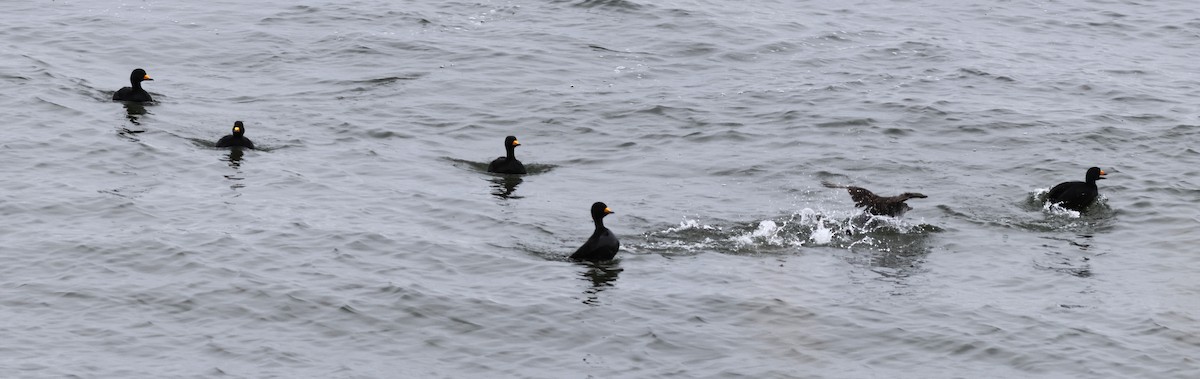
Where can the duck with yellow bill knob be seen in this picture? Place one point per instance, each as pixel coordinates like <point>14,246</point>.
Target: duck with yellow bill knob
<point>237,139</point>
<point>1077,196</point>
<point>603,244</point>
<point>508,164</point>
<point>134,92</point>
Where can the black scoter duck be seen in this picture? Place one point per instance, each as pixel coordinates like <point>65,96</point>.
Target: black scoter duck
<point>878,205</point>
<point>1077,196</point>
<point>237,139</point>
<point>603,244</point>
<point>508,164</point>
<point>135,92</point>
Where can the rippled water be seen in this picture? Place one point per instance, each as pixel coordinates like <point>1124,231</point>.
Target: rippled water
<point>365,239</point>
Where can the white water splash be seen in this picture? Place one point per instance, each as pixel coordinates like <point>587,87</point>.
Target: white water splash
<point>688,225</point>
<point>821,235</point>
<point>1056,210</point>
<point>1039,194</point>
<point>806,227</point>
<point>767,232</point>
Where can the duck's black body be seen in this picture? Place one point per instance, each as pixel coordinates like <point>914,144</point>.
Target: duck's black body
<point>603,244</point>
<point>237,139</point>
<point>1077,196</point>
<point>135,91</point>
<point>878,205</point>
<point>508,164</point>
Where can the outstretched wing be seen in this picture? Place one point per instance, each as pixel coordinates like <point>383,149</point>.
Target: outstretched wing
<point>861,196</point>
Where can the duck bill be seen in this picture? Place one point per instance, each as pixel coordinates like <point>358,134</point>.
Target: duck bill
<point>147,77</point>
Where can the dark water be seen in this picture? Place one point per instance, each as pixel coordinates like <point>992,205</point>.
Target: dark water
<point>364,239</point>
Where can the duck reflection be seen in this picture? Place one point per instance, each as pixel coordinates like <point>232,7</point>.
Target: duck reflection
<point>1069,256</point>
<point>892,255</point>
<point>503,186</point>
<point>602,275</point>
<point>235,157</point>
<point>133,111</point>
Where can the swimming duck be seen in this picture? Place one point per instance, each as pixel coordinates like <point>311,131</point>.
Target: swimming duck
<point>878,205</point>
<point>236,139</point>
<point>135,91</point>
<point>603,244</point>
<point>508,164</point>
<point>1077,196</point>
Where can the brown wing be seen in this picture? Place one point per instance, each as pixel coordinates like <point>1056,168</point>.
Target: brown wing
<point>862,197</point>
<point>875,204</point>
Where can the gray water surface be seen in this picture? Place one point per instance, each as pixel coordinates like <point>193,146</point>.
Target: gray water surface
<point>365,239</point>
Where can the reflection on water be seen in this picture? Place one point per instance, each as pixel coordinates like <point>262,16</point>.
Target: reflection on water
<point>234,158</point>
<point>236,182</point>
<point>133,111</point>
<point>503,186</point>
<point>601,275</point>
<point>1069,256</point>
<point>890,254</point>
<point>129,134</point>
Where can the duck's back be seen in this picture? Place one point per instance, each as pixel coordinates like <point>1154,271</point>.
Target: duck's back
<point>1073,195</point>
<point>235,141</point>
<point>129,94</point>
<point>601,246</point>
<point>503,165</point>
